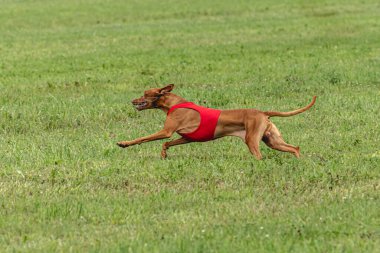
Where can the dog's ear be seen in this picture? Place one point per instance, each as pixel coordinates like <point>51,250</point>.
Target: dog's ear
<point>167,89</point>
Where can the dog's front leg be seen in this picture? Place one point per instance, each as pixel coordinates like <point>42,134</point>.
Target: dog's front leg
<point>157,136</point>
<point>171,125</point>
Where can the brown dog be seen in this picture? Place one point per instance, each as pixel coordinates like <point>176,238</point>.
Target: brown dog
<point>250,125</point>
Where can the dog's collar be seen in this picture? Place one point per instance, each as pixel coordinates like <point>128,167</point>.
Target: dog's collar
<point>180,105</point>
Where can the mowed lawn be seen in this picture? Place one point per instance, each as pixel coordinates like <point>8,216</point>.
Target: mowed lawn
<point>69,69</point>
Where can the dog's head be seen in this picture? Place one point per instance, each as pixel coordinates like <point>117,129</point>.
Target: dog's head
<point>151,97</point>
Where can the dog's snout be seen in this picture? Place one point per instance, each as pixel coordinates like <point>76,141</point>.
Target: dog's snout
<point>136,101</point>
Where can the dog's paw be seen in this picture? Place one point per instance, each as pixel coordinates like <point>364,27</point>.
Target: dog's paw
<point>122,144</point>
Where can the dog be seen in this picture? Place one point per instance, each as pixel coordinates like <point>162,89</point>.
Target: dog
<point>199,124</point>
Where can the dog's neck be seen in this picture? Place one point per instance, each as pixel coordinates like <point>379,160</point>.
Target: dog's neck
<point>169,100</point>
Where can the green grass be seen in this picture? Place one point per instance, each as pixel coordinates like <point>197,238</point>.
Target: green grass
<point>69,69</point>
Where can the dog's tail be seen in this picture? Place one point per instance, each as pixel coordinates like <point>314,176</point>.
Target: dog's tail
<point>291,113</point>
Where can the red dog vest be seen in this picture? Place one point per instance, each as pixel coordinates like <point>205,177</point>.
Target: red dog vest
<point>206,128</point>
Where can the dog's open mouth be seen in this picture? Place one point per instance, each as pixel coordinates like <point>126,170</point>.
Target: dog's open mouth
<point>140,106</point>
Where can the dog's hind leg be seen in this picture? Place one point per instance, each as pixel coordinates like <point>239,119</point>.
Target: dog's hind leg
<point>255,130</point>
<point>273,139</point>
<point>166,145</point>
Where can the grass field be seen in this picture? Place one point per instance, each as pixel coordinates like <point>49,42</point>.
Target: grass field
<point>69,69</point>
